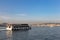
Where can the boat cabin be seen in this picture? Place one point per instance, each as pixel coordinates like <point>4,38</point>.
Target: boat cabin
<point>18,27</point>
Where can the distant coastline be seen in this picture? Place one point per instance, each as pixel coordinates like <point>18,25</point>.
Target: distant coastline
<point>41,24</point>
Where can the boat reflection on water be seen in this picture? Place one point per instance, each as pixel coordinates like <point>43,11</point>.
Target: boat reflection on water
<point>20,35</point>
<point>9,35</point>
<point>17,35</point>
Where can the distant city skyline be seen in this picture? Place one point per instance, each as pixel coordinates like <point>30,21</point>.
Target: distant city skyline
<point>27,11</point>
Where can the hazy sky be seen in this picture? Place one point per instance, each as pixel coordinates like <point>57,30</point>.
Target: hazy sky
<point>28,10</point>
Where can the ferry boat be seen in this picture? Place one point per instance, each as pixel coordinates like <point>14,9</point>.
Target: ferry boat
<point>18,27</point>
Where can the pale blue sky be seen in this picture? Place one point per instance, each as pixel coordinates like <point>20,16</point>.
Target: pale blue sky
<point>36,10</point>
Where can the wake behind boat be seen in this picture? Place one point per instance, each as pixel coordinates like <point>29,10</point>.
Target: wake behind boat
<point>2,28</point>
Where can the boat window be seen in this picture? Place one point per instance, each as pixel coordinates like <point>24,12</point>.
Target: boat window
<point>9,27</point>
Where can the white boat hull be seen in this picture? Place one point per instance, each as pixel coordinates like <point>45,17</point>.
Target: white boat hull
<point>8,28</point>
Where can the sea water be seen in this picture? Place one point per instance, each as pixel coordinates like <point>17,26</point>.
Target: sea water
<point>36,33</point>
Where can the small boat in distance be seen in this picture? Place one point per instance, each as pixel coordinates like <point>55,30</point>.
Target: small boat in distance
<point>18,27</point>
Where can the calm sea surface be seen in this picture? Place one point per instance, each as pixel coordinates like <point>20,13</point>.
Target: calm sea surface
<point>36,33</point>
